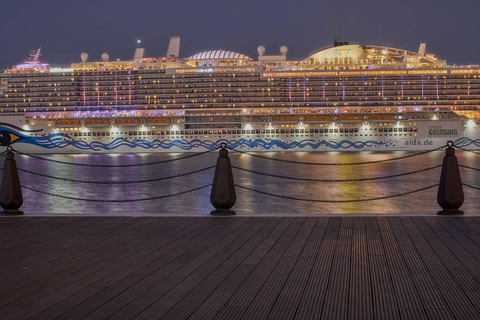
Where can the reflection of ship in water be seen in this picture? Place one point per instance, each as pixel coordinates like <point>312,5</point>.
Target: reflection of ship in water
<point>346,97</point>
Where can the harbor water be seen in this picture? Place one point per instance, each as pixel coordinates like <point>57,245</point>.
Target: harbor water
<point>248,202</point>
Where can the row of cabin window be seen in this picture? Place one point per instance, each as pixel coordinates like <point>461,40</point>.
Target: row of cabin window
<point>258,131</point>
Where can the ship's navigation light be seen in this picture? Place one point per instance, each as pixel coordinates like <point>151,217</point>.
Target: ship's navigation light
<point>434,117</point>
<point>470,123</point>
<point>248,126</point>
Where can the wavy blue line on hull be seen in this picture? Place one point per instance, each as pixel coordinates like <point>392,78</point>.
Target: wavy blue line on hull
<point>60,140</point>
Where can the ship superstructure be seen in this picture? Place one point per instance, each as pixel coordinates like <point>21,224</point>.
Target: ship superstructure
<point>347,97</point>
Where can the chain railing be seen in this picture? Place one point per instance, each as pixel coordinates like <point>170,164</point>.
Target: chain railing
<point>467,167</point>
<point>470,186</point>
<point>473,169</point>
<point>117,182</point>
<point>336,201</point>
<point>223,195</point>
<point>340,163</point>
<point>337,180</point>
<point>116,165</point>
<point>117,200</point>
<point>467,150</point>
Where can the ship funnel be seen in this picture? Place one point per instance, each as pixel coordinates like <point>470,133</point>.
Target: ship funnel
<point>421,50</point>
<point>139,54</point>
<point>174,48</point>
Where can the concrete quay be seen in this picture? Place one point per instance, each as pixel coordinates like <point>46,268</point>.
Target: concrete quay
<point>270,267</point>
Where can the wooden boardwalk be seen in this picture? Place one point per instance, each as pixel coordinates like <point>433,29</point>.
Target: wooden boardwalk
<point>240,268</point>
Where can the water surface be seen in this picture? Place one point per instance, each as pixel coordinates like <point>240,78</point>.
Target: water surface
<point>247,202</point>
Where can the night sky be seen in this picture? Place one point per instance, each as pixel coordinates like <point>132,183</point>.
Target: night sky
<point>65,28</point>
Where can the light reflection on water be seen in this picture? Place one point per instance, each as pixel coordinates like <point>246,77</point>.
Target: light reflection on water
<point>247,202</point>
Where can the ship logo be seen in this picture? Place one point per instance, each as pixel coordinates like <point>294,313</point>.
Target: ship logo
<point>7,138</point>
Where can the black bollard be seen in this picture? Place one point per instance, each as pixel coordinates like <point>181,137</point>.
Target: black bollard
<point>450,191</point>
<point>223,195</point>
<point>11,195</point>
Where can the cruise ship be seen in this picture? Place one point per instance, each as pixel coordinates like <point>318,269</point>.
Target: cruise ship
<point>347,97</point>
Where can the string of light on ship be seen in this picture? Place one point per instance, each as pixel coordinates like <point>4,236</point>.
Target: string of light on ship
<point>283,73</point>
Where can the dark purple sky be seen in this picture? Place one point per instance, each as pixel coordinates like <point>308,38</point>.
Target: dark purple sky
<point>65,28</point>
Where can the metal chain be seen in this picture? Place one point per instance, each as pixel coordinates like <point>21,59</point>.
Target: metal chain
<point>337,201</point>
<point>337,180</point>
<point>470,186</point>
<point>7,150</point>
<point>471,168</point>
<point>118,200</point>
<point>338,164</point>
<point>463,149</point>
<point>115,166</point>
<point>116,182</point>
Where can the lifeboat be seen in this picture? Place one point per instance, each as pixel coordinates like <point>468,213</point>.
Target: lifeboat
<point>317,118</point>
<point>286,119</point>
<point>127,122</point>
<point>67,123</point>
<point>378,117</point>
<point>157,121</point>
<point>97,122</point>
<point>350,118</point>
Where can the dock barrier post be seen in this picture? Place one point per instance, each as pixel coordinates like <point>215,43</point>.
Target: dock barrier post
<point>11,198</point>
<point>223,195</point>
<point>450,191</point>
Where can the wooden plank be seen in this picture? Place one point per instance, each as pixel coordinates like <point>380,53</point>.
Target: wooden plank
<point>456,270</point>
<point>186,302</point>
<point>360,306</point>
<point>442,266</point>
<point>72,261</point>
<point>289,298</point>
<point>114,283</point>
<point>408,298</point>
<point>36,242</point>
<point>71,283</point>
<point>468,227</point>
<point>217,300</point>
<point>168,272</point>
<point>463,235</point>
<point>175,287</point>
<point>249,288</point>
<point>434,303</point>
<point>58,256</point>
<point>384,302</point>
<point>264,300</point>
<point>314,295</point>
<point>241,268</point>
<point>337,299</point>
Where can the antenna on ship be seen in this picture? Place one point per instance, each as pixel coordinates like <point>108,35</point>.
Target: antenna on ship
<point>35,55</point>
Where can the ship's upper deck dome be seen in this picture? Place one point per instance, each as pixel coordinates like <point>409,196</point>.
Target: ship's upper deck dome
<point>374,55</point>
<point>219,54</point>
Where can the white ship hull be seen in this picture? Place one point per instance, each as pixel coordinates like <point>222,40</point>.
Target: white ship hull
<point>408,136</point>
